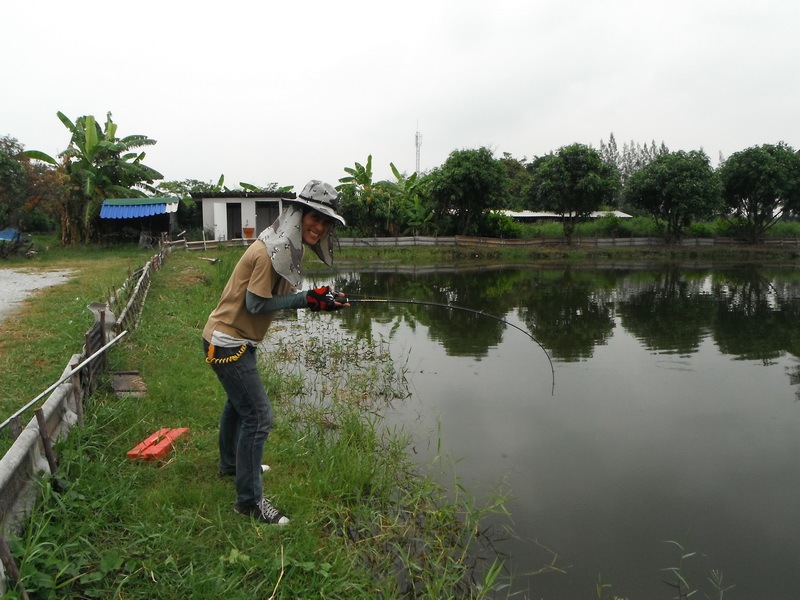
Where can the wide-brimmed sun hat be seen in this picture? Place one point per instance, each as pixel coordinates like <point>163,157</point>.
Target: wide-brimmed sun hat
<point>322,197</point>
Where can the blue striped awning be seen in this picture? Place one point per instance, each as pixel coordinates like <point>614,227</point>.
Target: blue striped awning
<point>133,208</point>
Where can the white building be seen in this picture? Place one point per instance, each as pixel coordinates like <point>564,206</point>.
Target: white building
<point>232,215</point>
<point>532,215</point>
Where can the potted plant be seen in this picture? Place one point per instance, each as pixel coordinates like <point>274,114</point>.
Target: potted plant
<point>247,231</point>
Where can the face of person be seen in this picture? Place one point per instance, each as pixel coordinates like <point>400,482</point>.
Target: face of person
<point>314,226</point>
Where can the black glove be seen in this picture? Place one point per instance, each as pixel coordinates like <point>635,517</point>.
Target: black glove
<point>322,298</point>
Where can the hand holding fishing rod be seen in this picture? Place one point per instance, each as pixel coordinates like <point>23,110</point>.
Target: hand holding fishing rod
<point>326,299</point>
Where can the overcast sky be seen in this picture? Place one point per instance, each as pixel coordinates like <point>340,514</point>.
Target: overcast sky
<point>285,92</point>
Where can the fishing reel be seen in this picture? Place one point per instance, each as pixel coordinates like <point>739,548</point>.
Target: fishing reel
<point>343,299</point>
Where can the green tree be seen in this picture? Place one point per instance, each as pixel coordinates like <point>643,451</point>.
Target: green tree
<point>189,210</point>
<point>676,188</point>
<point>573,183</point>
<point>184,189</point>
<point>361,203</point>
<point>13,182</point>
<point>465,186</point>
<point>409,210</point>
<point>519,178</point>
<point>99,165</point>
<point>609,152</point>
<point>48,188</point>
<point>760,185</point>
<point>630,159</point>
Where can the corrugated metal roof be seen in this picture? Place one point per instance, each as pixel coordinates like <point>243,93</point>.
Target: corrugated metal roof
<point>530,214</point>
<point>132,208</point>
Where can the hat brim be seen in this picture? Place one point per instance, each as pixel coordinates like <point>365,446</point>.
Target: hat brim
<point>322,209</point>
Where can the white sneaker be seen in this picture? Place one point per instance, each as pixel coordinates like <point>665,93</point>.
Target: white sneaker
<point>264,469</point>
<point>263,512</point>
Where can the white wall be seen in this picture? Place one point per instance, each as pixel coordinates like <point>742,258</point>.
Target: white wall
<point>215,216</point>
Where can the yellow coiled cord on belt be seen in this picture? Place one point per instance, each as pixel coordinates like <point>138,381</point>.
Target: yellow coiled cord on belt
<point>224,361</point>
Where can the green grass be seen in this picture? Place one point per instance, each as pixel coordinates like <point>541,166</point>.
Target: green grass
<point>37,342</point>
<point>560,253</point>
<point>365,523</point>
<point>611,226</point>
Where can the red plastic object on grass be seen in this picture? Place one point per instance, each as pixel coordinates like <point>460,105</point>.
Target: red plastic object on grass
<point>158,445</point>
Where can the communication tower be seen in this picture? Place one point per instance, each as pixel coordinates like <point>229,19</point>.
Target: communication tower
<point>418,143</point>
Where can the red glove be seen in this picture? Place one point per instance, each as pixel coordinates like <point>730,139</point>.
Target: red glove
<point>321,298</point>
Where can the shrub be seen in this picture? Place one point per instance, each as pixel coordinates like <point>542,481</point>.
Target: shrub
<point>784,229</point>
<point>37,221</point>
<point>500,226</point>
<point>701,229</point>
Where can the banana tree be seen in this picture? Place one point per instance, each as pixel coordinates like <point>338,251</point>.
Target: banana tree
<point>99,165</point>
<point>360,197</point>
<point>408,212</point>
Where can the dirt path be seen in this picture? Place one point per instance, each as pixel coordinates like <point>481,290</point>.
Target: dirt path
<point>18,284</point>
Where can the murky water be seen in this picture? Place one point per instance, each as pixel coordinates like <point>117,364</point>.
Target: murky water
<point>673,426</point>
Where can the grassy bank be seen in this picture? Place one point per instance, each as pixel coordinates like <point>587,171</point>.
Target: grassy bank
<point>38,340</point>
<point>365,524</point>
<point>560,254</point>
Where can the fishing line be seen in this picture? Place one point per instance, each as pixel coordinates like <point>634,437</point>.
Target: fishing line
<point>473,311</point>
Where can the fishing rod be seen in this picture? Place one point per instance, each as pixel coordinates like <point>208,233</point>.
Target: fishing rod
<point>473,311</point>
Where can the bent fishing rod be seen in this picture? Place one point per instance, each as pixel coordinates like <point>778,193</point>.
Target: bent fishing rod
<point>480,313</point>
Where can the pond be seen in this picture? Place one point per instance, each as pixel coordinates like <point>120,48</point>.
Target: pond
<point>666,426</point>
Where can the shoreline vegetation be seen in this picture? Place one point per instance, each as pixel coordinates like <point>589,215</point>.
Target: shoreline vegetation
<point>366,522</point>
<point>558,254</point>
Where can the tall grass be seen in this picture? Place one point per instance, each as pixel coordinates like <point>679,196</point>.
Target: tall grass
<point>365,522</point>
<point>611,226</point>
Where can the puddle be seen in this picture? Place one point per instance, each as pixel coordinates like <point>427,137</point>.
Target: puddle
<point>18,284</point>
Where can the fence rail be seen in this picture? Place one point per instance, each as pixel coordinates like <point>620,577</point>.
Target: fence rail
<point>463,240</point>
<point>31,452</point>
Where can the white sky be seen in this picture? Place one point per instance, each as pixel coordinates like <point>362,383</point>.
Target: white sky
<point>284,92</point>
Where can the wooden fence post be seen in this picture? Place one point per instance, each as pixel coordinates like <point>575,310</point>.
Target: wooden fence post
<point>77,392</point>
<point>15,427</point>
<point>11,567</point>
<point>48,446</point>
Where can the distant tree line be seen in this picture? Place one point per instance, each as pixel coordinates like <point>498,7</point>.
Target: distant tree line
<point>753,188</point>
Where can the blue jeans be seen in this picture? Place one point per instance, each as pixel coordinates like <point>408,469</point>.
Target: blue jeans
<point>245,421</point>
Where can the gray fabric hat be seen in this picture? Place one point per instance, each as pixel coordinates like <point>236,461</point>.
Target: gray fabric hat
<point>322,197</point>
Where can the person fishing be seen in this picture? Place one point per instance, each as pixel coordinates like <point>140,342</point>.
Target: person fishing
<point>265,280</point>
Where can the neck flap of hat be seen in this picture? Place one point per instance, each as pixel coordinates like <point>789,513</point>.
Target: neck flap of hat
<point>284,242</point>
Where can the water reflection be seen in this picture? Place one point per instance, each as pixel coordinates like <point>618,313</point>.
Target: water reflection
<point>756,316</point>
<point>569,312</point>
<point>749,313</point>
<point>675,416</point>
